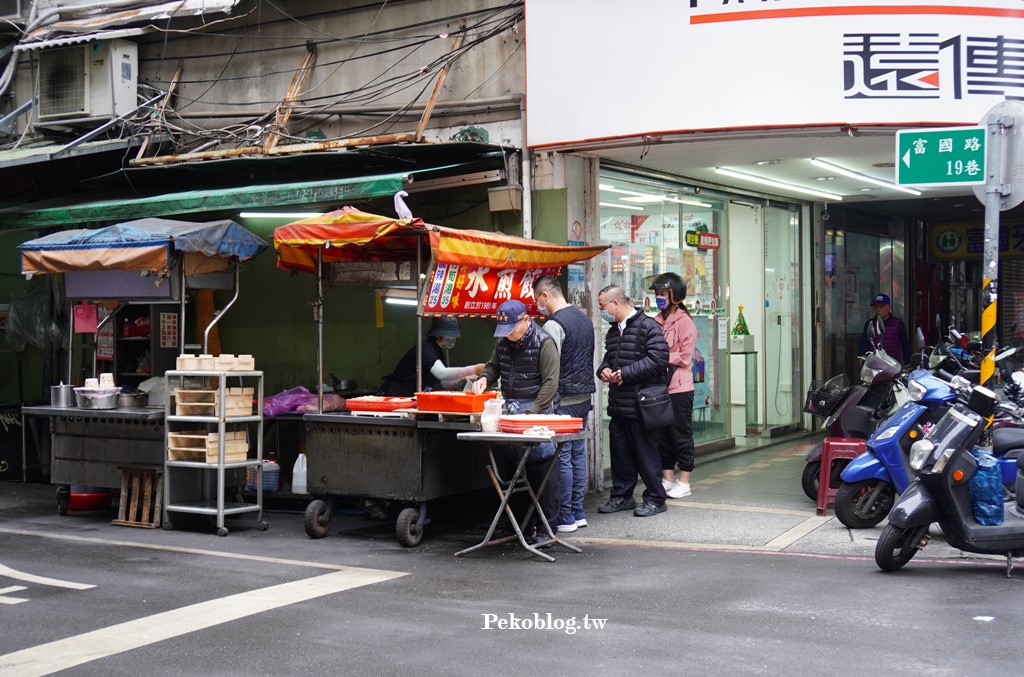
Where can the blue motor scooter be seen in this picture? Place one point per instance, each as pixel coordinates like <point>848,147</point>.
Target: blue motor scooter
<point>872,480</point>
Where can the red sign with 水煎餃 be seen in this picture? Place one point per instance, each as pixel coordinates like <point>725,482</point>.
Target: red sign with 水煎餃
<point>479,290</point>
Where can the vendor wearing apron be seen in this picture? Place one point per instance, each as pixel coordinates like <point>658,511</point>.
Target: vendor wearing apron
<point>436,372</point>
<point>526,358</point>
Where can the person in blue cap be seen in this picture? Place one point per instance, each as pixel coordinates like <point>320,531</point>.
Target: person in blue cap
<point>526,360</point>
<point>885,331</point>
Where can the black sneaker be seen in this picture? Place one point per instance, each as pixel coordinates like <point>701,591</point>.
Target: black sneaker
<point>648,509</point>
<point>617,503</point>
<point>540,541</point>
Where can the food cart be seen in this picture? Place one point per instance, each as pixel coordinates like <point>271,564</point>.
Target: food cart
<point>407,457</point>
<point>148,262</point>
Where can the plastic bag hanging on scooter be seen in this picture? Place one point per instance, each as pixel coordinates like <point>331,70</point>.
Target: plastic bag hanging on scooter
<point>986,490</point>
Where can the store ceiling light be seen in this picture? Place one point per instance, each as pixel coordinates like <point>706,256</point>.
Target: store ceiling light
<point>850,174</point>
<point>399,296</point>
<point>684,201</point>
<point>621,191</point>
<point>743,176</point>
<point>619,205</point>
<point>643,199</point>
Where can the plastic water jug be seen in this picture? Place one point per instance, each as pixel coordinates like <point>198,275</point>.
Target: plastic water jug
<point>489,419</point>
<point>299,475</point>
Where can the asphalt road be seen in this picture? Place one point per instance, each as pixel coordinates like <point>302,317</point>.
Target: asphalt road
<point>742,578</point>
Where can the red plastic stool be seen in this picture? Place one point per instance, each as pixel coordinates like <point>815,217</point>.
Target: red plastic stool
<point>833,449</point>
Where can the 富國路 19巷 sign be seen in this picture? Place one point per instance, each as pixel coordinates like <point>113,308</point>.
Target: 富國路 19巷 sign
<point>940,157</point>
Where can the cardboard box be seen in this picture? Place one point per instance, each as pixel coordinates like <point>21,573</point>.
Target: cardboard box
<point>742,344</point>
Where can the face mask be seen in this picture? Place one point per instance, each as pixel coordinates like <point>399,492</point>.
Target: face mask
<point>607,317</point>
<point>543,310</point>
<point>662,302</point>
<point>448,344</point>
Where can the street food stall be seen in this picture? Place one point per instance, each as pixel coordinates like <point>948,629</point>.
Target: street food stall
<point>409,455</point>
<point>148,264</point>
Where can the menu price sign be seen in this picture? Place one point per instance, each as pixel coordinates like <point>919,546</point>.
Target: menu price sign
<point>479,290</point>
<point>168,330</point>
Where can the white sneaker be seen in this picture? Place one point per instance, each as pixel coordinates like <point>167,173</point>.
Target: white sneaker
<point>678,490</point>
<point>667,484</point>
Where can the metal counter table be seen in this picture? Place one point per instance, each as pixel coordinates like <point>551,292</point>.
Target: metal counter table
<point>518,483</point>
<point>90,446</point>
<point>396,458</point>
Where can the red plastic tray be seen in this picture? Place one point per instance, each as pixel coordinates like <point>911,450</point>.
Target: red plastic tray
<point>380,403</point>
<point>522,423</point>
<point>454,402</point>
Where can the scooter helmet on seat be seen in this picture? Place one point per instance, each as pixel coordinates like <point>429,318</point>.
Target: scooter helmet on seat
<point>672,283</point>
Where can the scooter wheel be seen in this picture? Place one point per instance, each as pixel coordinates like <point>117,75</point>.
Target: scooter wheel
<point>864,504</point>
<point>897,546</point>
<point>810,479</point>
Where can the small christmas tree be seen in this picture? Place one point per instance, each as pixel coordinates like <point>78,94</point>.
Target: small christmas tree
<point>740,329</point>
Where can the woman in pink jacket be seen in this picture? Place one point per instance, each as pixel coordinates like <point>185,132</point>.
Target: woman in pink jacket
<point>676,444</point>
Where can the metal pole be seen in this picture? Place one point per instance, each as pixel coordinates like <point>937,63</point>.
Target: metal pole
<point>216,319</point>
<point>181,316</point>
<point>71,335</point>
<point>994,191</point>
<point>419,319</point>
<point>318,312</point>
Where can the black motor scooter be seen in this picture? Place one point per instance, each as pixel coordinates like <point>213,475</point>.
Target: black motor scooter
<point>850,412</point>
<point>940,493</point>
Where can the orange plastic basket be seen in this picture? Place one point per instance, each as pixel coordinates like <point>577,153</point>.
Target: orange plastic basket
<point>380,403</point>
<point>453,402</point>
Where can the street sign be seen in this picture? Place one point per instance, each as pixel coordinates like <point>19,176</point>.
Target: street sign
<point>940,157</point>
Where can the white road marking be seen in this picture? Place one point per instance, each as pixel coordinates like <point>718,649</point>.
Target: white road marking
<point>685,503</point>
<point>788,538</point>
<point>67,653</point>
<point>12,600</point>
<point>171,548</point>
<point>8,572</point>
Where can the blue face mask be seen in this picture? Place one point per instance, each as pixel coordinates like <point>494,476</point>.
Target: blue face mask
<point>543,310</point>
<point>607,317</point>
<point>662,302</point>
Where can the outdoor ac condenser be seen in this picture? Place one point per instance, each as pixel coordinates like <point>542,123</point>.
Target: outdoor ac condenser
<point>86,83</point>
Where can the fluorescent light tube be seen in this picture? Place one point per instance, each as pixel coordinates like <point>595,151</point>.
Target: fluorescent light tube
<point>776,184</point>
<point>279,215</point>
<point>618,205</point>
<point>850,174</point>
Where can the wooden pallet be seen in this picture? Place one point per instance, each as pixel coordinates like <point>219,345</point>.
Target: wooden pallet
<point>141,498</point>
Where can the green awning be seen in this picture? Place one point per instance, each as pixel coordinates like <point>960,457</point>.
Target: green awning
<point>336,191</point>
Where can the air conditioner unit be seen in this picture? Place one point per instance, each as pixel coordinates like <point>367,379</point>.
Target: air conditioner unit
<point>87,83</point>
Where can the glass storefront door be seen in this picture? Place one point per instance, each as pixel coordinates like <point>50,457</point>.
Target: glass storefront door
<point>783,391</point>
<point>655,227</point>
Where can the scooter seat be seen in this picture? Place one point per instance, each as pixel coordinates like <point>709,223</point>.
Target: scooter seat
<point>1007,440</point>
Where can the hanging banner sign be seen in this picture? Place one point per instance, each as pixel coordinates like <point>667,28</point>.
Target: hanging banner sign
<point>966,241</point>
<point>478,290</point>
<point>703,240</point>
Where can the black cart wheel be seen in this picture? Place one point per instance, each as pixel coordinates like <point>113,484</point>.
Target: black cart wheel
<point>407,528</point>
<point>63,500</point>
<point>262,526</point>
<point>317,519</point>
<point>222,531</point>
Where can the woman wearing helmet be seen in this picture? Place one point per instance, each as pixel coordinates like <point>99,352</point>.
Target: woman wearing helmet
<point>436,372</point>
<point>676,445</point>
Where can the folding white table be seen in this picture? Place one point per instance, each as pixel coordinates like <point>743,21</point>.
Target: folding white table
<point>518,483</point>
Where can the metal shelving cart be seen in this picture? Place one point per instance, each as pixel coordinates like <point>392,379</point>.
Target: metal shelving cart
<point>223,422</point>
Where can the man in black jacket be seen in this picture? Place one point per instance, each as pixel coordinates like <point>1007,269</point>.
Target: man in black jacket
<point>636,355</point>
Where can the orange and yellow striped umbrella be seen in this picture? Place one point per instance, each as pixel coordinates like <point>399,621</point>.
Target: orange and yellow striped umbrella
<point>349,235</point>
